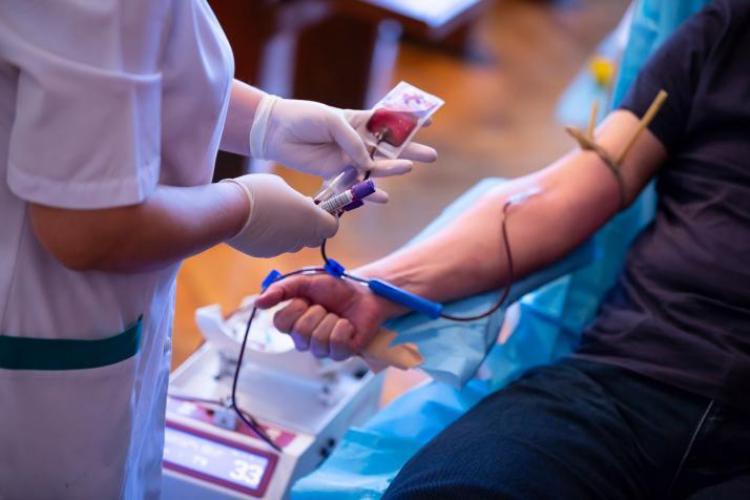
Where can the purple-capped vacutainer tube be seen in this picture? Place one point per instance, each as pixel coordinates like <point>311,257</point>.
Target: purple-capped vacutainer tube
<point>363,189</point>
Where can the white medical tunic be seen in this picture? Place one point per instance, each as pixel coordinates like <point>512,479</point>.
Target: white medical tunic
<point>100,102</point>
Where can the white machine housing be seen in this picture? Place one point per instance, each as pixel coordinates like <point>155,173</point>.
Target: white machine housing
<point>304,404</point>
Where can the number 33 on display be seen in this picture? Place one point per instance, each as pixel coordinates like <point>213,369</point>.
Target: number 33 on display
<point>246,472</point>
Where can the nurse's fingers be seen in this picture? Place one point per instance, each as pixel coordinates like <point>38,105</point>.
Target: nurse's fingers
<point>419,153</point>
<point>325,226</point>
<point>305,325</point>
<point>379,196</point>
<point>284,320</point>
<point>341,337</point>
<point>319,344</point>
<point>348,139</point>
<point>389,168</point>
<point>357,118</point>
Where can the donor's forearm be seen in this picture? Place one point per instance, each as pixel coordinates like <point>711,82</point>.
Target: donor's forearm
<point>557,209</point>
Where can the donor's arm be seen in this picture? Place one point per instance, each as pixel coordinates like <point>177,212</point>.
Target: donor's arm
<point>573,198</point>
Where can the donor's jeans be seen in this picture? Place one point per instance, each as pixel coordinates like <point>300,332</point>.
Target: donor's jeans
<point>580,430</point>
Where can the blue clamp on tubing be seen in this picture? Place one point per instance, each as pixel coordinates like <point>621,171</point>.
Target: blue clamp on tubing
<point>269,280</point>
<point>334,268</point>
<point>406,299</point>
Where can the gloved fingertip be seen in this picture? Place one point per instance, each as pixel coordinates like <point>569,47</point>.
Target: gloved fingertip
<point>427,154</point>
<point>331,233</point>
<point>420,153</point>
<point>403,166</point>
<point>379,196</point>
<point>329,226</point>
<point>392,168</point>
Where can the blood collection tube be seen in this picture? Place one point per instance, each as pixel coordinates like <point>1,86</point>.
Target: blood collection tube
<point>349,199</point>
<point>343,181</point>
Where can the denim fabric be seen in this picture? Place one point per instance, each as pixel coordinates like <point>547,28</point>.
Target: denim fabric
<point>579,430</point>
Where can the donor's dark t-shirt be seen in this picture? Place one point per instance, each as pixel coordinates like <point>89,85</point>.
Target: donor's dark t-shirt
<point>680,312</point>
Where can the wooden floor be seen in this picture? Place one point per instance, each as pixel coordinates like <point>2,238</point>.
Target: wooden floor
<point>498,121</point>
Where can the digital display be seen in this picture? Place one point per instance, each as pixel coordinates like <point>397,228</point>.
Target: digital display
<point>214,461</point>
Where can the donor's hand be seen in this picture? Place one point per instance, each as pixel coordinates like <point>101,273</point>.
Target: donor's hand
<point>331,317</point>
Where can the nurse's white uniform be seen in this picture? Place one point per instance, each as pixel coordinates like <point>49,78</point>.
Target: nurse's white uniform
<point>100,101</point>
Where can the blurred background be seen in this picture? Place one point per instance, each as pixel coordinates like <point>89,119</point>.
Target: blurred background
<point>500,65</point>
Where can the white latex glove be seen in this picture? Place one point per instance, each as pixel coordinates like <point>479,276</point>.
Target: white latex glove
<point>318,139</point>
<point>281,219</point>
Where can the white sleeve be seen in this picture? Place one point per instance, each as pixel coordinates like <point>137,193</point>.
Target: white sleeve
<point>86,133</point>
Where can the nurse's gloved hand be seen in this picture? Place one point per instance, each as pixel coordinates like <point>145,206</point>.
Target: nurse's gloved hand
<point>281,219</point>
<point>321,140</point>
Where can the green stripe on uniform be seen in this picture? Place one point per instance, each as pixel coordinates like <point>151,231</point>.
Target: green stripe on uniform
<point>27,353</point>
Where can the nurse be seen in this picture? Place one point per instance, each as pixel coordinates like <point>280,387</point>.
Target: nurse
<point>111,114</point>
